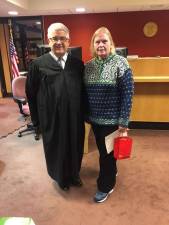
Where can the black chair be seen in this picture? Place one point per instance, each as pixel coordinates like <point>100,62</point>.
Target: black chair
<point>19,96</point>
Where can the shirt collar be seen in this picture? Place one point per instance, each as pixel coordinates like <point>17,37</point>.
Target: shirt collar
<point>64,58</point>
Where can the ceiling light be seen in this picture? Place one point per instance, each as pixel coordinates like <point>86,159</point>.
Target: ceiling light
<point>13,13</point>
<point>80,9</point>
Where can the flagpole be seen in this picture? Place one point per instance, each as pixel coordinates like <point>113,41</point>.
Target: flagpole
<point>10,37</point>
<point>10,28</point>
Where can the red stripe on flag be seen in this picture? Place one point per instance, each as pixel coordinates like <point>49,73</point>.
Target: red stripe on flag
<point>14,59</point>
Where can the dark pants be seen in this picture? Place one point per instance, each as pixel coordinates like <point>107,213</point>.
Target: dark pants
<point>107,175</point>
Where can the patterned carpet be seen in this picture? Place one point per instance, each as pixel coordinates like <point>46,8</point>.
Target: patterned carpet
<point>10,118</point>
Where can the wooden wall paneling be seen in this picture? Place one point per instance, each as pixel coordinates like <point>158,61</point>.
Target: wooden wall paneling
<point>151,102</point>
<point>4,40</point>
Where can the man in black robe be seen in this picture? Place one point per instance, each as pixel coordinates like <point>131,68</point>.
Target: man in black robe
<point>54,92</point>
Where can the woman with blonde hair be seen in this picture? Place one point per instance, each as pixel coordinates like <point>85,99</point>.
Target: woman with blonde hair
<point>109,87</point>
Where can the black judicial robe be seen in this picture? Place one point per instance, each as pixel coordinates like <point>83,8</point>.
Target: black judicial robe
<point>55,101</point>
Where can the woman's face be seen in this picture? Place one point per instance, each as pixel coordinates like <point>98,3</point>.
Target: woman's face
<point>102,45</point>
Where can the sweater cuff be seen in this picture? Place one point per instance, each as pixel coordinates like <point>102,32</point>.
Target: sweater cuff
<point>123,122</point>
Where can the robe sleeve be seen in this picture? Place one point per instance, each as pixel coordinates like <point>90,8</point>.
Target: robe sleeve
<point>32,87</point>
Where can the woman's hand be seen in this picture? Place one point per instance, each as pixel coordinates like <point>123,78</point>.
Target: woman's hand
<point>123,131</point>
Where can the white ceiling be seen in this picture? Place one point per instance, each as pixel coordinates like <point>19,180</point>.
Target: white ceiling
<point>56,7</point>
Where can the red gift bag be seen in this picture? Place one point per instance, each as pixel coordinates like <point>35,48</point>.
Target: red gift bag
<point>122,147</point>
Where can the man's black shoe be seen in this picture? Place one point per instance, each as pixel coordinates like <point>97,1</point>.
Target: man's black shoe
<point>77,182</point>
<point>65,188</point>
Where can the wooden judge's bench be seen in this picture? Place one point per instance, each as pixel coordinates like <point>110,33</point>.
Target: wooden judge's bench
<point>151,98</point>
<point>151,95</point>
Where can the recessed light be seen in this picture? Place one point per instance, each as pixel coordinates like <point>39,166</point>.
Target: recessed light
<point>80,9</point>
<point>13,13</point>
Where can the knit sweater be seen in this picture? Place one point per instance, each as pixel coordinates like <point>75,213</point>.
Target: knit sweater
<point>109,87</point>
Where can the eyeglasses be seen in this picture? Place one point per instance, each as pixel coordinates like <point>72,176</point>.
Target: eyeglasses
<point>57,38</point>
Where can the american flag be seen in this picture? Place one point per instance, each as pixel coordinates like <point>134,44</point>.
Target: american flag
<point>14,59</point>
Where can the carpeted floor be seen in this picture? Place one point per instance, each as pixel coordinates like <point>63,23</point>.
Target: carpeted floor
<point>140,197</point>
<point>10,118</point>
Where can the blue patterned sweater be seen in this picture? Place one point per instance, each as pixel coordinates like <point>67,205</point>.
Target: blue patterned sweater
<point>109,87</point>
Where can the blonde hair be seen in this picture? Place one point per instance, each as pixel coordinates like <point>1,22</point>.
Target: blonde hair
<point>57,26</point>
<point>96,33</point>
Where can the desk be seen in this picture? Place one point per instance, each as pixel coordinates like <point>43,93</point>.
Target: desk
<point>151,98</point>
<point>86,141</point>
<point>150,66</point>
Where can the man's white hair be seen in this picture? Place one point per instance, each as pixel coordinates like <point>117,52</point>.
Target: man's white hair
<point>55,27</point>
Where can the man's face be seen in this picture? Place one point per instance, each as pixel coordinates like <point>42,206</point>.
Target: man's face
<point>102,45</point>
<point>59,43</point>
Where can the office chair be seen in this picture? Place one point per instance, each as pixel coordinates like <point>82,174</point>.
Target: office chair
<point>19,96</point>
